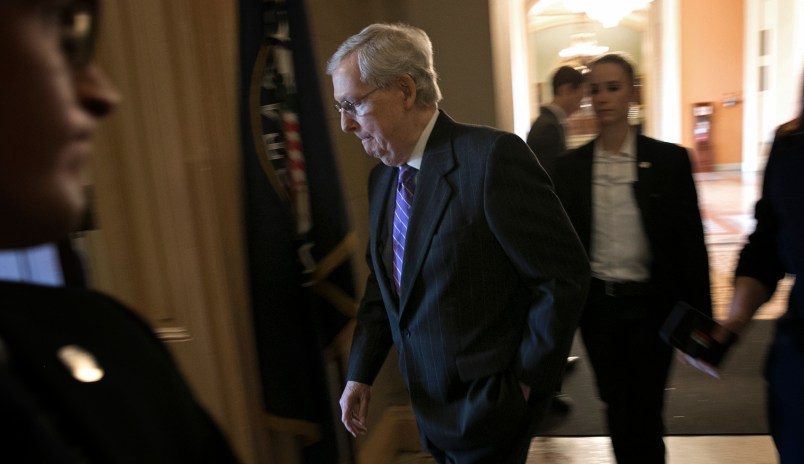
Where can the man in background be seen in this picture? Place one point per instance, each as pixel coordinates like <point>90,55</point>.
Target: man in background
<point>547,137</point>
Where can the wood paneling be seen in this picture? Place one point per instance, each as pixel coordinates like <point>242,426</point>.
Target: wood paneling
<point>168,184</point>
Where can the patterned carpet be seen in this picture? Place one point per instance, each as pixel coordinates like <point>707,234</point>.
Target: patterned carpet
<point>722,261</point>
<point>727,202</point>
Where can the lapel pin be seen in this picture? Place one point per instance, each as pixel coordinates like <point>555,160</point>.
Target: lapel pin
<point>81,364</point>
<point>644,164</point>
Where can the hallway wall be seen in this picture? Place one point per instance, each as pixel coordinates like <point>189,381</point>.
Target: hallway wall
<point>167,191</point>
<point>712,37</point>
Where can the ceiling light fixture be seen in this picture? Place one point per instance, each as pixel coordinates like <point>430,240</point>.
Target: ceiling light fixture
<point>583,45</point>
<point>610,12</point>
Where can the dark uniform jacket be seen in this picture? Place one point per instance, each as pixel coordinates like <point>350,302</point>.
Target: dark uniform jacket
<point>139,411</point>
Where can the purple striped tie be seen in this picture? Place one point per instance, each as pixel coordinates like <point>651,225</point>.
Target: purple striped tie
<point>404,199</point>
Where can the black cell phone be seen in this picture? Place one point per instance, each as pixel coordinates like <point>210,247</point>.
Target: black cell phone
<point>689,330</point>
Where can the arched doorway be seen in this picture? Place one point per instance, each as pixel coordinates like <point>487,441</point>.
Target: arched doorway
<point>651,35</point>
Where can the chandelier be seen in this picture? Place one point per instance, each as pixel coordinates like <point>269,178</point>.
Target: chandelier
<point>582,45</point>
<point>610,12</point>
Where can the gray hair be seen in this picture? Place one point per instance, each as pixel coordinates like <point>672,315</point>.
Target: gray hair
<point>386,52</point>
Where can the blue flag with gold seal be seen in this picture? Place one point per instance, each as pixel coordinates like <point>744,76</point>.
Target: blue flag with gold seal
<point>299,241</point>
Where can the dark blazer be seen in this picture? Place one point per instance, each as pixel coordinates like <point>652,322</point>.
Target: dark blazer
<point>140,411</point>
<point>547,139</point>
<point>668,205</point>
<point>492,287</point>
<point>775,248</point>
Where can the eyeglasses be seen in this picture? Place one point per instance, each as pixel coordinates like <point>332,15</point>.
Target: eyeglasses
<point>351,107</point>
<point>79,24</point>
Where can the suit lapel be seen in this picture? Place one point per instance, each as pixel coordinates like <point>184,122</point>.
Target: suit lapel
<point>379,236</point>
<point>644,167</point>
<point>429,202</point>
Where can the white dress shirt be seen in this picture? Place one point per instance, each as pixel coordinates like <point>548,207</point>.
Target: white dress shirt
<point>619,248</point>
<point>415,159</point>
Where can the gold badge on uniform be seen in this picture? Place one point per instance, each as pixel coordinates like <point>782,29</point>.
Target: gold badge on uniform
<point>81,364</point>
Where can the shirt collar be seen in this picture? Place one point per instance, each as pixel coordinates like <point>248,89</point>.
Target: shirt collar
<point>415,159</point>
<point>627,151</point>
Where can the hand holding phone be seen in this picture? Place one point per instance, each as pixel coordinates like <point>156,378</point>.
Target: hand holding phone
<point>703,341</point>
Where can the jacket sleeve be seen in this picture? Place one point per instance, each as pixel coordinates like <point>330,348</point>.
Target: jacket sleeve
<point>372,337</point>
<point>533,229</point>
<point>694,271</point>
<point>760,257</point>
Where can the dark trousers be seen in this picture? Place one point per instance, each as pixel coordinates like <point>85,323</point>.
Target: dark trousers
<point>631,365</point>
<point>514,450</point>
<point>785,375</point>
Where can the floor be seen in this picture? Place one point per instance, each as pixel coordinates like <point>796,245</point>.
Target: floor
<point>680,450</point>
<point>727,203</point>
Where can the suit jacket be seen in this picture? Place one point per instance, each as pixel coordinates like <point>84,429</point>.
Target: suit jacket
<point>668,206</point>
<point>492,286</point>
<point>775,247</point>
<point>141,410</point>
<point>547,139</point>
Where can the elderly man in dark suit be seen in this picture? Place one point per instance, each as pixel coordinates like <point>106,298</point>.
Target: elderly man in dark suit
<point>547,137</point>
<point>476,274</point>
<point>633,202</point>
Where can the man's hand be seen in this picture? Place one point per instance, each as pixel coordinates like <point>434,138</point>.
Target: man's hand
<point>354,407</point>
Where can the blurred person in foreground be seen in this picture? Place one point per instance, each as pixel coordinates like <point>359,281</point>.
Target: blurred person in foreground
<point>82,378</point>
<point>633,202</point>
<point>776,248</point>
<point>547,137</point>
<point>476,275</point>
